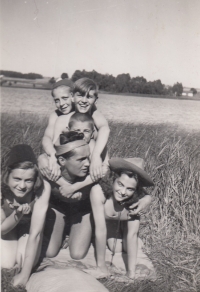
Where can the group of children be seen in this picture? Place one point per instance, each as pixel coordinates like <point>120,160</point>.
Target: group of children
<point>75,159</point>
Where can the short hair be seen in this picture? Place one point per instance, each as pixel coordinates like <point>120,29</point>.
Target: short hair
<point>38,185</point>
<point>52,91</point>
<point>129,173</point>
<point>67,138</point>
<point>84,85</point>
<point>80,117</point>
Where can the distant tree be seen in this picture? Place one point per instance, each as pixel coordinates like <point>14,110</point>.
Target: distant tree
<point>168,90</point>
<point>122,82</point>
<point>52,80</point>
<point>137,84</point>
<point>177,89</point>
<point>64,75</point>
<point>194,91</point>
<point>77,75</point>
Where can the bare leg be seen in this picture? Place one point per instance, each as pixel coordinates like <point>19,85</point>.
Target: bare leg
<point>80,236</point>
<point>53,232</point>
<point>8,250</point>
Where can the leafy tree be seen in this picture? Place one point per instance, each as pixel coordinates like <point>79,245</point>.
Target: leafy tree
<point>177,89</point>
<point>122,82</point>
<point>194,91</point>
<point>52,80</point>
<point>64,75</point>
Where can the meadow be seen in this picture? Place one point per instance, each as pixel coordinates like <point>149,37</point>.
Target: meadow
<point>171,227</point>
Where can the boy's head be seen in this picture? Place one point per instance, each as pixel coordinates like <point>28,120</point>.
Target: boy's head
<point>82,123</point>
<point>62,95</point>
<point>73,155</point>
<point>85,94</point>
<point>131,176</point>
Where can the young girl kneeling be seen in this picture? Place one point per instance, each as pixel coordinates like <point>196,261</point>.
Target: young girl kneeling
<point>113,216</point>
<point>23,212</point>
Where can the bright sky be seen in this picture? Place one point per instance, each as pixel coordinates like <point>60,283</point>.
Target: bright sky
<point>157,39</point>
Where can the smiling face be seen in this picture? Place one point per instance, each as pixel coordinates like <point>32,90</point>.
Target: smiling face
<point>84,102</point>
<point>83,127</point>
<point>63,99</point>
<point>21,181</point>
<point>124,187</point>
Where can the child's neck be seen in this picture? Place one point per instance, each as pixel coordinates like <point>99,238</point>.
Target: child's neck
<point>116,205</point>
<point>26,199</point>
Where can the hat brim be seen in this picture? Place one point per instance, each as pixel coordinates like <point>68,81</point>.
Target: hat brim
<point>119,164</point>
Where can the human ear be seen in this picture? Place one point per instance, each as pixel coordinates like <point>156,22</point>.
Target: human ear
<point>61,160</point>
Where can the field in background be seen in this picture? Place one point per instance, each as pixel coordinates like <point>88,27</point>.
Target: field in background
<point>170,229</point>
<point>183,114</point>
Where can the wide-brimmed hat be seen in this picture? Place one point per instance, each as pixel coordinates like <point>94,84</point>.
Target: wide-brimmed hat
<point>135,165</point>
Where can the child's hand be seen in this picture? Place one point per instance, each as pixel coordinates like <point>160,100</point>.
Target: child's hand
<point>23,209</point>
<point>19,280</point>
<point>66,189</point>
<point>96,168</point>
<point>141,205</point>
<point>54,168</point>
<point>76,197</point>
<point>43,165</point>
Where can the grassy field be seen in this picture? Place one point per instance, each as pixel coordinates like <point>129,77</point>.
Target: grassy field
<point>170,229</point>
<point>182,114</point>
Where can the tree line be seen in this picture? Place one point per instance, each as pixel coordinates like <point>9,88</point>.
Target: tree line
<point>14,74</point>
<point>122,83</point>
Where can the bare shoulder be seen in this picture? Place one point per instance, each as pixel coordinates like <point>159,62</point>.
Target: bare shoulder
<point>45,193</point>
<point>53,117</point>
<point>99,119</point>
<point>97,195</point>
<point>65,117</point>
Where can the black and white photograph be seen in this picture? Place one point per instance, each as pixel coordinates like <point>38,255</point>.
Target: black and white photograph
<point>100,145</point>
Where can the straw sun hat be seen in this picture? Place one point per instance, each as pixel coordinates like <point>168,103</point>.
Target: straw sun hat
<point>135,165</point>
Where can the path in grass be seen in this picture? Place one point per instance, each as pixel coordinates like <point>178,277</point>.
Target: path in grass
<point>129,109</point>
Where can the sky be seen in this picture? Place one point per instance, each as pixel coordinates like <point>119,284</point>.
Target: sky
<point>156,39</point>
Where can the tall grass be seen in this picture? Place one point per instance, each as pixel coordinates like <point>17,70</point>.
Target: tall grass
<point>170,228</point>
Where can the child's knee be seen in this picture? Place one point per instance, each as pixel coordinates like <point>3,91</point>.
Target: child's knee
<point>77,253</point>
<point>114,247</point>
<point>52,252</point>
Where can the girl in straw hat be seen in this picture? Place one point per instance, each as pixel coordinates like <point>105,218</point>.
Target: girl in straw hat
<point>115,223</point>
<point>25,199</point>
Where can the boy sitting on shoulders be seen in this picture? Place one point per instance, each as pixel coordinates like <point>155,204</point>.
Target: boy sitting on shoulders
<point>62,94</point>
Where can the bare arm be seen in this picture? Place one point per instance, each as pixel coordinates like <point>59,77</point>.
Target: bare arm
<point>61,126</point>
<point>97,201</point>
<point>52,169</point>
<point>102,139</point>
<point>9,223</point>
<point>47,140</point>
<point>35,237</point>
<point>132,246</point>
<point>69,191</point>
<point>142,205</point>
